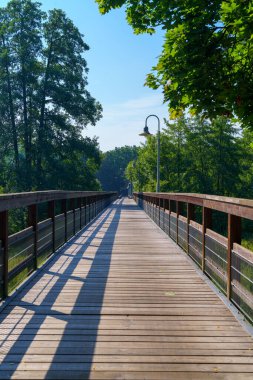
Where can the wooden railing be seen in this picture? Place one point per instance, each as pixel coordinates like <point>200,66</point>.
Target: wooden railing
<point>220,256</point>
<point>52,218</point>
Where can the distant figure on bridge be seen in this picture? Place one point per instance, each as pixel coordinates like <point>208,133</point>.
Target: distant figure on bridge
<point>130,190</point>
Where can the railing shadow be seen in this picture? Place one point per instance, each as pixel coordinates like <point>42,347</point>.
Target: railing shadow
<point>76,320</point>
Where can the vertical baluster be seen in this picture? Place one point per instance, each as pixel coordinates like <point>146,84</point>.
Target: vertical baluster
<point>33,222</point>
<point>178,211</point>
<point>206,223</point>
<point>190,216</point>
<point>234,236</point>
<point>79,201</point>
<point>169,208</point>
<point>159,211</point>
<point>72,208</point>
<point>85,210</point>
<point>165,219</point>
<point>51,214</point>
<point>4,240</point>
<point>164,215</point>
<point>89,202</point>
<point>92,208</point>
<point>64,211</point>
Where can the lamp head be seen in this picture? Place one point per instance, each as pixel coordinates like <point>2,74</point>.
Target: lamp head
<point>145,132</point>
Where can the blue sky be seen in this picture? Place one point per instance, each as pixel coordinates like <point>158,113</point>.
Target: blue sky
<point>118,61</point>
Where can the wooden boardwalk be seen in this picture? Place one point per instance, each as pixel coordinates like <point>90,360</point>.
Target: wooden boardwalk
<point>121,301</point>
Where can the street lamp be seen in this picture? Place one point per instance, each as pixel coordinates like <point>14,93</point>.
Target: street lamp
<point>146,133</point>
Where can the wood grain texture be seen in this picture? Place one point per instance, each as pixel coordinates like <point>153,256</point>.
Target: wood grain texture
<point>122,302</point>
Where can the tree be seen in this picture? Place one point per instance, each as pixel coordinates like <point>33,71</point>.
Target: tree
<point>64,100</point>
<point>206,61</point>
<point>112,171</point>
<point>44,103</point>
<point>196,156</point>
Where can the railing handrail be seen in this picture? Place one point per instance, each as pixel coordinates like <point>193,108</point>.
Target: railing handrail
<point>16,200</point>
<point>235,206</point>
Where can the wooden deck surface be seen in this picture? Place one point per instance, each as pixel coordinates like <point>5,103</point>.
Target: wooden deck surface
<point>122,302</point>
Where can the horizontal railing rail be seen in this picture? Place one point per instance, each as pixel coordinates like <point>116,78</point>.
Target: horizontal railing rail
<point>63,214</point>
<point>222,258</point>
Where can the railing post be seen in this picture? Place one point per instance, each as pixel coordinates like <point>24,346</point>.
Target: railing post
<point>4,240</point>
<point>166,217</point>
<point>64,211</point>
<point>89,205</point>
<point>33,222</point>
<point>206,223</point>
<point>92,207</point>
<point>99,204</point>
<point>190,216</point>
<point>72,206</point>
<point>169,208</point>
<point>163,213</point>
<point>159,210</point>
<point>178,211</point>
<point>51,214</point>
<point>234,236</point>
<point>79,201</point>
<point>85,210</point>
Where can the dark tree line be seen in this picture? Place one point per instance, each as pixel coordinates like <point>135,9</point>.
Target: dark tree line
<point>112,171</point>
<point>44,102</point>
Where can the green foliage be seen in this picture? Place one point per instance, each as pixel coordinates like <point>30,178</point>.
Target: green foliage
<point>207,56</point>
<point>197,156</point>
<point>112,171</point>
<point>44,103</point>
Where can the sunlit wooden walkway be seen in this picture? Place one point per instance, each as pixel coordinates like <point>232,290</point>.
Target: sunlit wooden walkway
<point>122,302</point>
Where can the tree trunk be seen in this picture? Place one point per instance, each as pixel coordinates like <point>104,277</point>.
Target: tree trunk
<point>40,141</point>
<point>12,113</point>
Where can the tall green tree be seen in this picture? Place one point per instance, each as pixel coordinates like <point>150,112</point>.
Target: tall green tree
<point>66,106</point>
<point>112,171</point>
<point>196,156</point>
<point>44,102</point>
<point>206,61</point>
<point>25,44</point>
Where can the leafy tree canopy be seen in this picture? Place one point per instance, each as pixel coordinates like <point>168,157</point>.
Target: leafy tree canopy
<point>112,171</point>
<point>197,156</point>
<point>44,102</point>
<point>207,57</point>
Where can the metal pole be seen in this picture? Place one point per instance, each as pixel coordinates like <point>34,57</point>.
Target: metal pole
<point>158,152</point>
<point>158,159</point>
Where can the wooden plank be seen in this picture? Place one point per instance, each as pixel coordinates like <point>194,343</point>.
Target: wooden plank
<point>122,302</point>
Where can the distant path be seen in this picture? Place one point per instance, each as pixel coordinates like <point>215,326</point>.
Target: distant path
<point>122,302</point>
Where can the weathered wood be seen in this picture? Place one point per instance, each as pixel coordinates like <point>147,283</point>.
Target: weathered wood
<point>4,249</point>
<point>235,206</point>
<point>17,200</point>
<point>190,216</point>
<point>206,223</point>
<point>51,214</point>
<point>64,211</point>
<point>234,236</point>
<point>121,302</point>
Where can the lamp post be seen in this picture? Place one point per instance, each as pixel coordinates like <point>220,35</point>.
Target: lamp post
<point>146,133</point>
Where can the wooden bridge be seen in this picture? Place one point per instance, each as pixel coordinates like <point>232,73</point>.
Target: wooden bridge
<point>120,300</point>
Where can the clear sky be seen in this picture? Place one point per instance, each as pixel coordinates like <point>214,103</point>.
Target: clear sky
<point>118,61</point>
